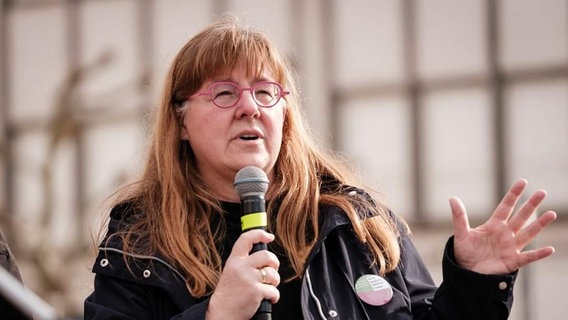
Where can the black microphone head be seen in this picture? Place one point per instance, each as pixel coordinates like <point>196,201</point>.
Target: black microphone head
<point>251,180</point>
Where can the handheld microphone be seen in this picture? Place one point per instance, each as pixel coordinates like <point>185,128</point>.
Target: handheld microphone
<point>251,184</point>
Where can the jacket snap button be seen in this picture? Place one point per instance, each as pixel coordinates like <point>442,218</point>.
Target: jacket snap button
<point>503,285</point>
<point>146,274</point>
<point>104,263</point>
<point>332,313</point>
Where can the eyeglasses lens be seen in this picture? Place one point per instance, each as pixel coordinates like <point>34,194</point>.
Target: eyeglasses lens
<point>266,94</point>
<point>226,95</point>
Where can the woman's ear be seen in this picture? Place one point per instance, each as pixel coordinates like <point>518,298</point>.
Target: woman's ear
<point>285,109</point>
<point>184,135</point>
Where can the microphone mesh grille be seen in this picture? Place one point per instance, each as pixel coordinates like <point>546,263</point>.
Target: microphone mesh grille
<point>251,180</point>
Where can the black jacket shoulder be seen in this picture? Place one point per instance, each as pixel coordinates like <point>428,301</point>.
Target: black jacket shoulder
<point>124,279</point>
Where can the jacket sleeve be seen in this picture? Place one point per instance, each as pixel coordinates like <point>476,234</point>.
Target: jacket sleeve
<point>463,294</point>
<point>469,295</point>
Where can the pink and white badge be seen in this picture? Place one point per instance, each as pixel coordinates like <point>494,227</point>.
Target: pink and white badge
<point>373,290</point>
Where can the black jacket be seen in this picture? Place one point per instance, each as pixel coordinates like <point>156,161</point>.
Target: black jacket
<point>153,289</point>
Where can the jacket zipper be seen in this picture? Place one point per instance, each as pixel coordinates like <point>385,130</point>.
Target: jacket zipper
<point>313,295</point>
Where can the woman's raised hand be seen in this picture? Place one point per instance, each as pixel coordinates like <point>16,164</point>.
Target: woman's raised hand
<point>496,247</point>
<point>246,279</point>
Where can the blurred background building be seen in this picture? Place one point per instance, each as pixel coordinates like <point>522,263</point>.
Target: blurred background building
<point>430,98</point>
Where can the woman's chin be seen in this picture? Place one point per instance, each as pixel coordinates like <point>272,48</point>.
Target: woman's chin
<point>259,163</point>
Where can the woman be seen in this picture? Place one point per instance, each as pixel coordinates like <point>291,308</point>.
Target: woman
<point>174,249</point>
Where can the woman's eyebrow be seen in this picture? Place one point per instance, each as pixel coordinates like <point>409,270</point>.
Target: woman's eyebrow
<point>253,81</point>
<point>222,79</point>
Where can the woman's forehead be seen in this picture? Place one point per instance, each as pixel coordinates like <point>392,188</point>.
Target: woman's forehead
<point>252,70</point>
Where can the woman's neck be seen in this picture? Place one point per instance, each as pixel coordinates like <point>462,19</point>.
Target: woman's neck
<point>221,186</point>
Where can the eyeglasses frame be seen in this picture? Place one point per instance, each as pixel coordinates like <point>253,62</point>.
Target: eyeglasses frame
<point>208,92</point>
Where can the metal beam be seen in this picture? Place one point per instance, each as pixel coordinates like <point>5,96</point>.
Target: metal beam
<point>413,92</point>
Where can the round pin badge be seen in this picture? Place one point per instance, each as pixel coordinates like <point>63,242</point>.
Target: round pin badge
<point>373,290</point>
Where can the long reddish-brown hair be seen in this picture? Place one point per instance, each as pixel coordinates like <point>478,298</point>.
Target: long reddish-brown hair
<point>177,207</point>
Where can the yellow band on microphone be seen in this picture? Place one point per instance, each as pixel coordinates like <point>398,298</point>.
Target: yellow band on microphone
<point>253,220</point>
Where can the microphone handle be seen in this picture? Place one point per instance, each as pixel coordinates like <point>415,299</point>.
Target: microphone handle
<point>258,247</point>
<point>256,205</point>
<point>264,311</point>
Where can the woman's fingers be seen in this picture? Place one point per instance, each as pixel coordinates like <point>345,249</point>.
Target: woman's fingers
<point>269,275</point>
<point>530,256</point>
<point>246,278</point>
<point>507,204</point>
<point>263,264</point>
<point>459,218</point>
<point>496,246</point>
<point>532,230</point>
<point>271,293</point>
<point>244,243</point>
<point>264,258</point>
<point>526,211</point>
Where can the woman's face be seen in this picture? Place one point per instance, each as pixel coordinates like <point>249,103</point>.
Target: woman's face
<point>226,140</point>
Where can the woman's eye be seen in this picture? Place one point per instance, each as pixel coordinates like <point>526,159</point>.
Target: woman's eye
<point>264,93</point>
<point>223,94</point>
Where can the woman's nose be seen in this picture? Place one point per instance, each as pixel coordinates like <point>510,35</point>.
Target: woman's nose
<point>247,107</point>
